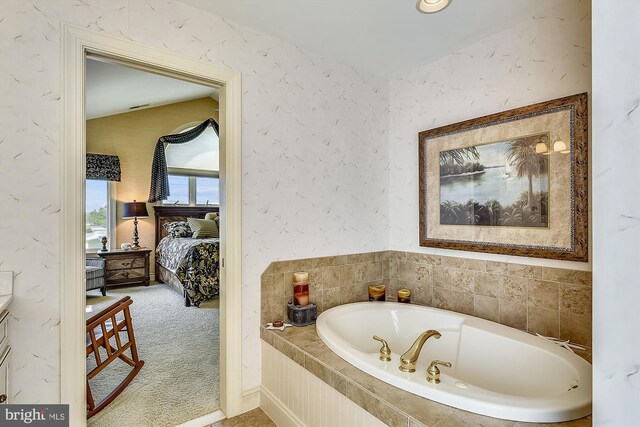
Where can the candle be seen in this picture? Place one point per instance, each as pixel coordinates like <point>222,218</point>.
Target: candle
<point>301,277</point>
<point>377,292</point>
<point>404,295</point>
<point>301,288</point>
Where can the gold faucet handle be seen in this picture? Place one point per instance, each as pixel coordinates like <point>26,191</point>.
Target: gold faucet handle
<point>433,373</point>
<point>385,351</point>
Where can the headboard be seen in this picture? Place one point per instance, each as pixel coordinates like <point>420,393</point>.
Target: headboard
<point>165,214</point>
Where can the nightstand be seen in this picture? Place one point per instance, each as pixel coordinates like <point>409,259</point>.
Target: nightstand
<point>126,267</point>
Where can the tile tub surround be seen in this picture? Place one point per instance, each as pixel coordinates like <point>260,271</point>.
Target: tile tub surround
<point>391,405</point>
<point>333,281</point>
<point>550,301</point>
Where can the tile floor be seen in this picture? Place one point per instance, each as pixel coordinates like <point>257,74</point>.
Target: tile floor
<point>255,418</point>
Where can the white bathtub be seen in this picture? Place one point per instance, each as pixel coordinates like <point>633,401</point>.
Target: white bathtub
<point>497,371</point>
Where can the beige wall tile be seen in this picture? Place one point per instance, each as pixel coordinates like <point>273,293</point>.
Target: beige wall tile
<point>464,263</point>
<point>266,284</point>
<point>384,265</point>
<point>423,273</point>
<point>416,257</point>
<point>368,272</point>
<point>511,269</point>
<point>576,328</point>
<point>397,256</point>
<point>423,294</point>
<point>359,258</point>
<point>382,255</point>
<point>513,314</point>
<point>453,278</point>
<point>487,308</point>
<point>567,276</point>
<point>514,289</point>
<point>544,294</point>
<point>406,271</point>
<point>393,268</point>
<point>576,299</point>
<point>331,277</point>
<point>452,300</point>
<point>393,286</point>
<point>487,284</point>
<point>315,279</point>
<point>328,261</point>
<point>544,322</point>
<point>347,275</point>
<point>330,298</point>
<point>354,293</point>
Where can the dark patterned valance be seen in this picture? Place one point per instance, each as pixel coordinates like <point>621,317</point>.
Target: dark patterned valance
<point>103,167</point>
<point>159,176</point>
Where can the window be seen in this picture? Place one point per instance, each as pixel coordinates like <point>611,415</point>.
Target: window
<point>207,191</point>
<point>194,170</point>
<point>179,189</point>
<point>97,213</point>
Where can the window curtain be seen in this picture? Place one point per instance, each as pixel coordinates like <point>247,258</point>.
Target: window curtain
<point>159,176</point>
<point>103,167</point>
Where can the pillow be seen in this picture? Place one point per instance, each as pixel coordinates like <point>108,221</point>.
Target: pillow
<point>178,229</point>
<point>203,228</point>
<point>214,216</point>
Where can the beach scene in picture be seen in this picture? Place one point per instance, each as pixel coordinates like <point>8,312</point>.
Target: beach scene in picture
<point>503,184</point>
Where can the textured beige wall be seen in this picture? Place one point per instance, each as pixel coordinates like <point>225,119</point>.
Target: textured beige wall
<point>132,137</point>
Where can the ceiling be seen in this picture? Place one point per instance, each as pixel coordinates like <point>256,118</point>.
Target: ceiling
<point>384,37</point>
<point>113,89</point>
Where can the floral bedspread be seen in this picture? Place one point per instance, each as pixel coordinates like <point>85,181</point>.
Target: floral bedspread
<point>196,264</point>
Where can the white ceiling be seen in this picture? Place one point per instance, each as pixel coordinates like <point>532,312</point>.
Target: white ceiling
<point>384,37</point>
<point>114,89</point>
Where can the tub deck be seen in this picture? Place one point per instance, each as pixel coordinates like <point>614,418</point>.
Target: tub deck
<point>389,404</point>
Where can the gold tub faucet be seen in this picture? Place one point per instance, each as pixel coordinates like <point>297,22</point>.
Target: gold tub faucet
<point>433,373</point>
<point>408,360</point>
<point>385,351</point>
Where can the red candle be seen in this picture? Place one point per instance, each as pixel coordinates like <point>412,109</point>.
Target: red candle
<point>301,288</point>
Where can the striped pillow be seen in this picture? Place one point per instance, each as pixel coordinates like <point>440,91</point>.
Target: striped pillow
<point>203,228</point>
<point>214,216</point>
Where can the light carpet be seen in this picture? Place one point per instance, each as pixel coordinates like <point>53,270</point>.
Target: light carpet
<point>180,346</point>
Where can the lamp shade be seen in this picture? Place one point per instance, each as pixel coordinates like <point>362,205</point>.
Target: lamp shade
<point>135,209</point>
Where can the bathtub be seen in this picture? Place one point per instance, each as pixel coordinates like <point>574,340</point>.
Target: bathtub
<point>496,370</point>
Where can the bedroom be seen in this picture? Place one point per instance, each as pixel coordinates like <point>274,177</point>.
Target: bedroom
<point>172,276</point>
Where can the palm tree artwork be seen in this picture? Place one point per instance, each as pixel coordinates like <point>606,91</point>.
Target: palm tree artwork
<point>497,184</point>
<point>527,162</point>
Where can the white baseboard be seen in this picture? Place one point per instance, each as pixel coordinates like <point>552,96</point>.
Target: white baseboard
<point>279,413</point>
<point>250,399</point>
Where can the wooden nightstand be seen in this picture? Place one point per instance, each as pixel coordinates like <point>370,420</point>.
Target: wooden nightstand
<point>126,267</point>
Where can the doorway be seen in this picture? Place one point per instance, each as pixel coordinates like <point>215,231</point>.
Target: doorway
<point>127,110</point>
<point>78,43</point>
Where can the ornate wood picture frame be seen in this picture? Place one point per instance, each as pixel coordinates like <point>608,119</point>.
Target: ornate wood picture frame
<point>512,183</point>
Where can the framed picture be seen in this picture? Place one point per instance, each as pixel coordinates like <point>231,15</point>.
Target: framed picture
<point>513,183</point>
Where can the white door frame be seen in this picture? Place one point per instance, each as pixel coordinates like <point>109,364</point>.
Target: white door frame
<point>76,43</point>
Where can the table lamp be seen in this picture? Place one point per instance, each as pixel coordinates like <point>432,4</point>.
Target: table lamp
<point>135,210</point>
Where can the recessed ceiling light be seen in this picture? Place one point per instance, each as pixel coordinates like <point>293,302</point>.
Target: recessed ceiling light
<point>432,6</point>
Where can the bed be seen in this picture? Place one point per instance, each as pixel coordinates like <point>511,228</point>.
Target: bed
<point>189,266</point>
